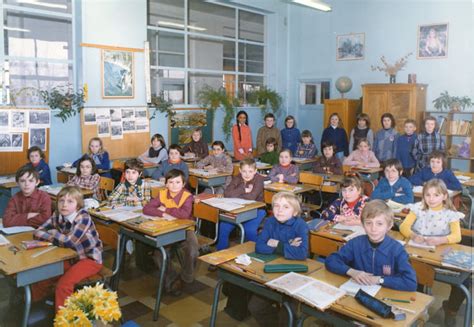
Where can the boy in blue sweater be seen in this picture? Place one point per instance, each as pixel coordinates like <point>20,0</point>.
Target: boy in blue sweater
<point>404,148</point>
<point>394,186</point>
<point>36,157</point>
<point>375,258</point>
<point>174,162</point>
<point>437,170</point>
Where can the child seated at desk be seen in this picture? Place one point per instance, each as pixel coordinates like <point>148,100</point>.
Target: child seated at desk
<point>248,184</point>
<point>347,210</point>
<point>328,163</point>
<point>157,151</point>
<point>437,169</point>
<point>285,234</point>
<point>30,206</point>
<point>218,162</point>
<point>197,146</point>
<point>435,221</point>
<point>375,258</point>
<point>271,155</point>
<point>174,162</point>
<point>171,203</point>
<point>306,148</point>
<point>98,155</point>
<point>36,157</point>
<point>70,227</point>
<point>134,191</point>
<point>394,186</point>
<point>363,157</point>
<point>285,171</point>
<point>86,176</point>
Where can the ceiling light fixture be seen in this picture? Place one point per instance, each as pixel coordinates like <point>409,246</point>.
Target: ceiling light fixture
<point>313,4</point>
<point>43,4</point>
<point>171,24</point>
<point>16,29</point>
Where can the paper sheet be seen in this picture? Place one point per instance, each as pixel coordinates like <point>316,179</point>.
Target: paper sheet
<point>16,229</point>
<point>421,245</point>
<point>352,287</point>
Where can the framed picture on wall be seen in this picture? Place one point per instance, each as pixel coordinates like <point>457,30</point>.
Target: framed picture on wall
<point>118,76</point>
<point>432,42</point>
<point>350,46</point>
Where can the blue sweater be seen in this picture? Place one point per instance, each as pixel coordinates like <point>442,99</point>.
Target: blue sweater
<point>290,137</point>
<point>337,136</point>
<point>101,161</point>
<point>44,173</point>
<point>404,149</point>
<point>166,166</point>
<point>385,144</point>
<point>446,175</point>
<point>401,191</point>
<point>389,260</point>
<point>284,232</point>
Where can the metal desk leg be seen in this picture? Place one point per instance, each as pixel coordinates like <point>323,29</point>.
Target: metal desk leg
<point>301,320</point>
<point>160,283</point>
<point>242,233</point>
<point>290,313</point>
<point>212,189</point>
<point>26,314</point>
<point>467,314</point>
<point>215,302</point>
<point>119,259</point>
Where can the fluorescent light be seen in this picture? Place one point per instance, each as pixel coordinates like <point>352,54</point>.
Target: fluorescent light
<point>171,24</point>
<point>17,29</point>
<point>42,4</point>
<point>313,4</point>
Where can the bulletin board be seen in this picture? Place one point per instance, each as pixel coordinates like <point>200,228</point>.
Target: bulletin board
<point>12,160</point>
<point>186,120</point>
<point>131,145</point>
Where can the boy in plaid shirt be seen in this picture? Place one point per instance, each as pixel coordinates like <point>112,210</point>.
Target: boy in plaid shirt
<point>134,191</point>
<point>427,142</point>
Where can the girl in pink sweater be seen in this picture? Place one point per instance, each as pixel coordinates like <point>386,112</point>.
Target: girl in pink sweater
<point>363,157</point>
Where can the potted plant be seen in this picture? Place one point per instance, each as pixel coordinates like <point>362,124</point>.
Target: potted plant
<point>160,104</point>
<point>452,103</point>
<point>391,70</point>
<point>265,97</point>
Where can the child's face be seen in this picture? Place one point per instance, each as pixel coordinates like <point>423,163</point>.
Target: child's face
<point>248,172</point>
<point>386,122</point>
<point>306,140</point>
<point>350,193</point>
<point>285,158</point>
<point>174,155</point>
<point>196,136</point>
<point>392,174</point>
<point>175,185</point>
<point>155,143</point>
<point>410,128</point>
<point>283,210</point>
<point>436,165</point>
<point>94,147</point>
<point>363,146</point>
<point>67,205</point>
<point>328,151</point>
<point>27,184</point>
<point>362,123</point>
<point>86,168</point>
<point>434,198</point>
<point>269,121</point>
<point>290,123</point>
<point>217,150</point>
<point>131,175</point>
<point>241,118</point>
<point>430,126</point>
<point>376,228</point>
<point>334,121</point>
<point>270,147</point>
<point>35,157</point>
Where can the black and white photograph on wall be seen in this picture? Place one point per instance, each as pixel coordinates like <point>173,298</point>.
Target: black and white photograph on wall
<point>4,119</point>
<point>19,121</point>
<point>39,118</point>
<point>116,114</point>
<point>37,138</point>
<point>5,142</point>
<point>17,142</point>
<point>103,129</point>
<point>128,126</point>
<point>140,112</point>
<point>350,46</point>
<point>102,114</point>
<point>89,116</point>
<point>128,113</point>
<point>116,131</point>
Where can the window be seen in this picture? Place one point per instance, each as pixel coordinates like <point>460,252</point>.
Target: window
<point>314,93</point>
<point>194,43</point>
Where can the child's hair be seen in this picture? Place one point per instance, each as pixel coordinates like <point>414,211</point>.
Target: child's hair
<point>98,139</point>
<point>410,121</point>
<point>307,133</point>
<point>175,147</point>
<point>173,173</point>
<point>327,144</point>
<point>376,208</point>
<point>134,164</point>
<point>394,163</point>
<point>271,140</point>
<point>363,116</point>
<point>241,112</point>
<point>198,130</point>
<point>349,181</point>
<point>339,124</point>
<point>219,143</point>
<point>290,117</point>
<point>363,140</point>
<point>26,169</point>
<point>248,162</point>
<point>285,150</point>
<point>291,198</point>
<point>388,115</point>
<point>440,187</point>
<point>269,115</point>
<point>74,192</point>
<point>86,158</point>
<point>35,149</point>
<point>430,118</point>
<point>160,138</point>
<point>437,154</point>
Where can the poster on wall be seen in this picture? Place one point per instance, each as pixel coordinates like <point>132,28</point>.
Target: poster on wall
<point>39,118</point>
<point>116,114</point>
<point>4,120</point>
<point>89,116</point>
<point>17,142</point>
<point>5,142</point>
<point>102,114</point>
<point>350,46</point>
<point>19,121</point>
<point>103,128</point>
<point>432,41</point>
<point>116,132</point>
<point>117,74</point>
<point>37,137</point>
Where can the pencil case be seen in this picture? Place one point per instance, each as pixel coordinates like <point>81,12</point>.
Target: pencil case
<point>373,304</point>
<point>282,268</point>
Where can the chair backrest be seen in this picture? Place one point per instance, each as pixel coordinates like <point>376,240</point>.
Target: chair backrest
<point>311,178</point>
<point>106,184</point>
<point>424,273</point>
<point>346,168</point>
<point>236,170</point>
<point>193,181</point>
<point>108,235</point>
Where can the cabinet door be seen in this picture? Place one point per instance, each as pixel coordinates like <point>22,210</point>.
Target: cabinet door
<point>376,105</point>
<point>399,107</point>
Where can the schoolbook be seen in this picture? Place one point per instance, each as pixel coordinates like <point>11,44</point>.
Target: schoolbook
<point>459,259</point>
<point>263,257</point>
<point>309,290</point>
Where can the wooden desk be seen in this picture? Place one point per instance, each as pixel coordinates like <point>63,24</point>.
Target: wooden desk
<point>49,189</point>
<point>29,270</point>
<point>207,180</point>
<point>271,189</point>
<point>331,182</point>
<point>305,164</point>
<point>7,191</point>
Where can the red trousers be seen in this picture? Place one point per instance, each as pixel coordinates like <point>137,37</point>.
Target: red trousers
<point>73,274</point>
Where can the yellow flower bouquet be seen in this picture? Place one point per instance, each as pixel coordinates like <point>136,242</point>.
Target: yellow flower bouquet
<point>88,305</point>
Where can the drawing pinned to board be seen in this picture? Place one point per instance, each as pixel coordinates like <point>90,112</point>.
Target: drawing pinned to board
<point>117,74</point>
<point>116,115</point>
<point>89,116</point>
<point>39,118</point>
<point>4,119</point>
<point>103,129</point>
<point>19,121</point>
<point>116,132</point>
<point>5,142</point>
<point>128,126</point>
<point>37,138</point>
<point>102,114</point>
<point>142,125</point>
<point>17,142</point>
<point>128,113</point>
<point>140,113</point>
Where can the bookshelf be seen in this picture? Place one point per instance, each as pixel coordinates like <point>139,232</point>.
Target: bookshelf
<point>455,127</point>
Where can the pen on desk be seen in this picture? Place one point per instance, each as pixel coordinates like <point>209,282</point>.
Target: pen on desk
<point>396,300</point>
<point>356,312</point>
<point>37,254</point>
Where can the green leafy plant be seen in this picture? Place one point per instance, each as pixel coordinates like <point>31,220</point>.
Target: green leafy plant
<point>453,103</point>
<point>161,105</point>
<point>264,98</point>
<point>65,99</point>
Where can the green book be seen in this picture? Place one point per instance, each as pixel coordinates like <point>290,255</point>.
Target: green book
<point>280,268</point>
<point>263,257</point>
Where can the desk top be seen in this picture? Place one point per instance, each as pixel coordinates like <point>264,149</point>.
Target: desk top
<point>301,161</point>
<point>51,190</point>
<point>367,170</point>
<point>294,188</point>
<point>194,172</point>
<point>467,183</point>
<point>250,206</point>
<point>14,263</point>
<point>259,165</point>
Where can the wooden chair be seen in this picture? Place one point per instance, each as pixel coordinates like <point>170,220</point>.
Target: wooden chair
<point>106,186</point>
<point>317,181</point>
<point>202,211</point>
<point>425,274</point>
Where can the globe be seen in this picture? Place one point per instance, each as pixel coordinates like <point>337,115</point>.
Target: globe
<point>343,85</point>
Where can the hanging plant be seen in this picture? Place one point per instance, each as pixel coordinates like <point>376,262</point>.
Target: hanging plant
<point>161,105</point>
<point>265,98</point>
<point>64,99</point>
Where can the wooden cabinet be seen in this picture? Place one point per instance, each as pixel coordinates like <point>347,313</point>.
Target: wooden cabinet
<point>403,101</point>
<point>347,109</point>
